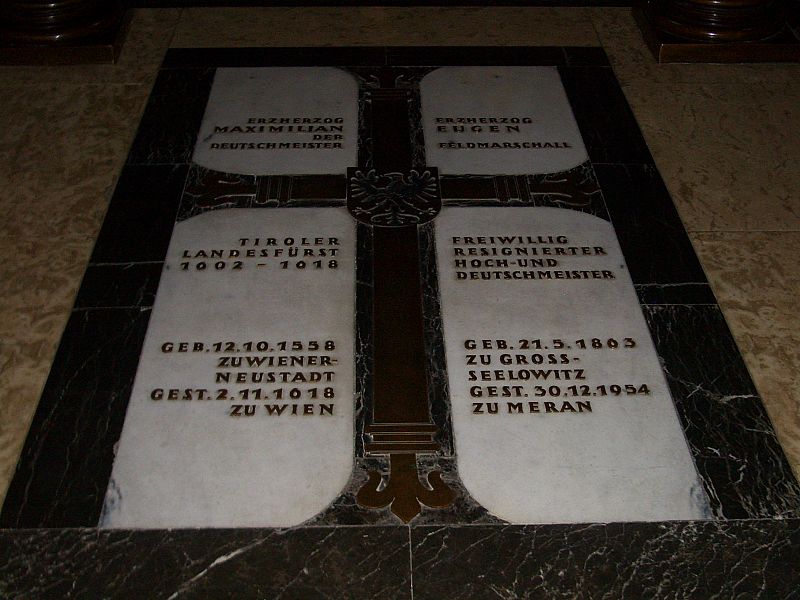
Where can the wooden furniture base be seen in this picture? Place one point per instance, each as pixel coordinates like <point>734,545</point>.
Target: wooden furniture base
<point>102,48</point>
<point>784,47</point>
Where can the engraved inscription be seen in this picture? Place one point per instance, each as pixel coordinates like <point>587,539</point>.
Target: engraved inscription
<point>284,378</point>
<point>560,409</point>
<point>250,353</point>
<point>499,121</point>
<point>274,121</point>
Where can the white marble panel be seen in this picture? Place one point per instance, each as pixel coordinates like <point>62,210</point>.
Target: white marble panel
<point>280,121</point>
<point>242,408</point>
<point>561,411</point>
<point>499,120</point>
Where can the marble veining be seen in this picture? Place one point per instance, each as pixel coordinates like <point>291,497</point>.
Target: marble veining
<point>438,387</point>
<point>207,189</point>
<point>714,560</point>
<point>758,288</point>
<point>346,511</point>
<point>131,285</point>
<point>61,149</point>
<point>323,562</point>
<point>141,214</point>
<point>364,342</point>
<point>740,117</point>
<point>653,240</point>
<point>69,451</point>
<point>605,120</point>
<point>743,468</point>
<point>168,130</point>
<point>633,561</point>
<point>39,289</point>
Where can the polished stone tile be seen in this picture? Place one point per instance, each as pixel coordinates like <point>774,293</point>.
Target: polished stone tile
<point>737,454</point>
<point>24,363</point>
<point>140,215</point>
<point>169,126</point>
<point>607,124</point>
<point>633,61</point>
<point>148,38</point>
<point>475,91</point>
<point>757,284</point>
<point>279,492</point>
<point>39,286</point>
<point>603,472</point>
<point>66,460</point>
<point>370,26</point>
<point>656,248</point>
<point>626,561</point>
<point>356,563</point>
<point>728,152</point>
<point>119,285</point>
<point>61,151</point>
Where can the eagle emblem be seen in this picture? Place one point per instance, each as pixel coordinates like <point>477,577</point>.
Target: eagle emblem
<point>393,199</point>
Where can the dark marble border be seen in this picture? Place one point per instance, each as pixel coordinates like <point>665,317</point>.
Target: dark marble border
<point>132,285</point>
<point>138,224</point>
<point>655,244</point>
<point>609,129</point>
<point>356,563</point>
<point>677,560</point>
<point>172,117</point>
<point>737,454</point>
<point>66,462</point>
<point>628,561</point>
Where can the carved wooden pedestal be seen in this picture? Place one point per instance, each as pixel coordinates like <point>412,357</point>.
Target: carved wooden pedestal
<point>718,30</point>
<point>61,31</point>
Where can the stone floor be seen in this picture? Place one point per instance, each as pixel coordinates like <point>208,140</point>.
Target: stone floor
<point>724,138</point>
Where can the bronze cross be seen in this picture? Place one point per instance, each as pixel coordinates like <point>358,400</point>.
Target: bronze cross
<point>394,199</point>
